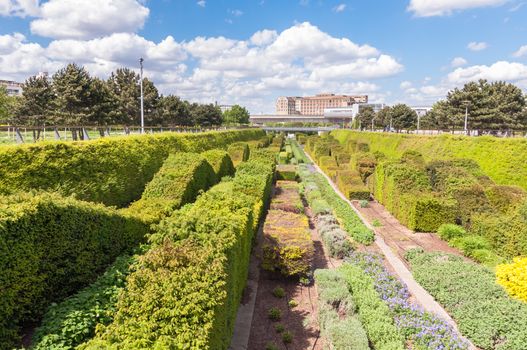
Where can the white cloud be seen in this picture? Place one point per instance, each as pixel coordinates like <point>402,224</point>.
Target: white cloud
<point>264,37</point>
<point>405,85</point>
<point>201,3</point>
<point>339,8</point>
<point>522,51</point>
<point>237,13</point>
<point>9,43</point>
<point>370,68</point>
<point>74,19</point>
<point>19,8</point>
<point>502,70</point>
<point>429,8</point>
<point>458,62</point>
<point>477,46</point>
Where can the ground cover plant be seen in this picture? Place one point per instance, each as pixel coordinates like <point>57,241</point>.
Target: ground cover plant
<point>513,277</point>
<point>113,171</point>
<point>483,311</point>
<point>287,197</point>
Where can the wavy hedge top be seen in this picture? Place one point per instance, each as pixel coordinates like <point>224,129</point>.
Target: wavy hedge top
<point>113,171</point>
<point>504,160</point>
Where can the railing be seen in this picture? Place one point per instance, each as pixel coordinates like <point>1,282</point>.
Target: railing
<point>25,134</point>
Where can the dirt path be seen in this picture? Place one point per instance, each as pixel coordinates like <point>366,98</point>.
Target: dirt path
<point>300,320</point>
<point>397,236</point>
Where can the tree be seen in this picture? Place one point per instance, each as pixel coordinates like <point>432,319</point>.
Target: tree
<point>4,105</point>
<point>366,116</point>
<point>72,87</point>
<point>384,117</point>
<point>403,117</point>
<point>236,115</point>
<point>205,114</point>
<point>171,110</point>
<point>37,102</point>
<point>125,84</point>
<point>103,104</point>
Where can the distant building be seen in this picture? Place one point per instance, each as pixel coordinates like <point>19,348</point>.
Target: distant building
<point>421,111</point>
<point>316,105</point>
<point>13,88</point>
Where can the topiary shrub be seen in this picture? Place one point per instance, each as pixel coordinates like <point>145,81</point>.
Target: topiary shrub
<point>504,198</point>
<point>286,172</point>
<point>451,231</point>
<point>220,161</point>
<point>350,184</point>
<point>239,152</point>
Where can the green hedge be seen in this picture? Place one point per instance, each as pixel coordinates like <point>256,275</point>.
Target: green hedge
<point>113,171</point>
<point>350,184</point>
<point>239,152</point>
<point>481,308</point>
<point>52,246</point>
<point>185,291</point>
<point>502,159</point>
<point>220,161</point>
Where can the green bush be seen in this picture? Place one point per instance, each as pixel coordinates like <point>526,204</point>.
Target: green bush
<point>201,255</point>
<point>451,231</point>
<point>373,313</point>
<point>220,161</point>
<point>113,171</point>
<point>350,184</point>
<point>335,239</point>
<point>468,244</point>
<point>505,198</point>
<point>274,314</point>
<point>73,321</point>
<point>481,308</point>
<point>239,152</point>
<point>52,246</point>
<point>338,322</point>
<point>298,153</point>
<point>286,172</point>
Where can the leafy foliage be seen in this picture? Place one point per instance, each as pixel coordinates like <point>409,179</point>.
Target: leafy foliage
<point>52,246</point>
<point>236,115</point>
<point>221,162</point>
<point>482,309</point>
<point>513,277</point>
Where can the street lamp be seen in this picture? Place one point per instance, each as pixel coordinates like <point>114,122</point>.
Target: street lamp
<point>466,103</point>
<point>141,60</point>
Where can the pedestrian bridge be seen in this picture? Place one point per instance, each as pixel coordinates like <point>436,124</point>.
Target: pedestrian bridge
<point>299,128</point>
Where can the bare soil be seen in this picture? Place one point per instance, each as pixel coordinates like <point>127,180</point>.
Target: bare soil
<point>302,320</point>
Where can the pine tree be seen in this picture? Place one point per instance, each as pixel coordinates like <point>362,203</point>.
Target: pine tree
<point>72,87</point>
<point>403,117</point>
<point>37,102</point>
<point>171,110</point>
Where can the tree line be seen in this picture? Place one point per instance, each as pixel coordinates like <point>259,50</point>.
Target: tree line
<point>491,107</point>
<point>73,97</point>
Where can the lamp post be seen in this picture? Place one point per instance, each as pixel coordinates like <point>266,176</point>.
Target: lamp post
<point>372,120</point>
<point>466,103</point>
<point>141,60</point>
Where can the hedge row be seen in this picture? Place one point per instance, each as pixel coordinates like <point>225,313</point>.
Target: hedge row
<point>287,245</point>
<point>502,159</point>
<point>200,255</point>
<point>72,322</point>
<point>113,171</point>
<point>220,161</point>
<point>239,152</point>
<point>350,184</point>
<point>346,215</point>
<point>52,246</point>
<point>481,308</point>
<point>337,317</point>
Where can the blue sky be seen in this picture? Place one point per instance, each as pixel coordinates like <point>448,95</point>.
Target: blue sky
<point>251,52</point>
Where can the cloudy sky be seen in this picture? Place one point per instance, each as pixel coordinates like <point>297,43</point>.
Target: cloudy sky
<point>252,51</point>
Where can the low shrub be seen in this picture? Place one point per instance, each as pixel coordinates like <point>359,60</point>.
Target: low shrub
<point>298,153</point>
<point>287,245</point>
<point>279,292</point>
<point>451,231</point>
<point>271,346</point>
<point>52,246</point>
<point>350,184</point>
<point>274,314</point>
<point>221,163</point>
<point>513,277</point>
<point>287,337</point>
<point>279,328</point>
<point>335,239</point>
<point>239,152</point>
<point>505,198</point>
<point>319,207</point>
<point>468,244</point>
<point>374,315</point>
<point>481,308</point>
<point>287,197</point>
<point>286,172</point>
<point>292,303</point>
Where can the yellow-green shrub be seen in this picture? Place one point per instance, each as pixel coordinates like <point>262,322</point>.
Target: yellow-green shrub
<point>50,247</point>
<point>239,152</point>
<point>513,277</point>
<point>113,171</point>
<point>220,161</point>
<point>350,184</point>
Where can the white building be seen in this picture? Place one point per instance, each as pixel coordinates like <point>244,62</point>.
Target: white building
<point>13,88</point>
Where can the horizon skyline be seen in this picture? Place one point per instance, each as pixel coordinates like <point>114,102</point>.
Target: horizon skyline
<point>250,53</point>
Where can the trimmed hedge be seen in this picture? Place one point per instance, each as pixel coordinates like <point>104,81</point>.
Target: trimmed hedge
<point>185,291</point>
<point>350,184</point>
<point>220,161</point>
<point>482,309</point>
<point>286,172</point>
<point>113,171</point>
<point>52,246</point>
<point>239,152</point>
<point>298,153</point>
<point>502,159</point>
